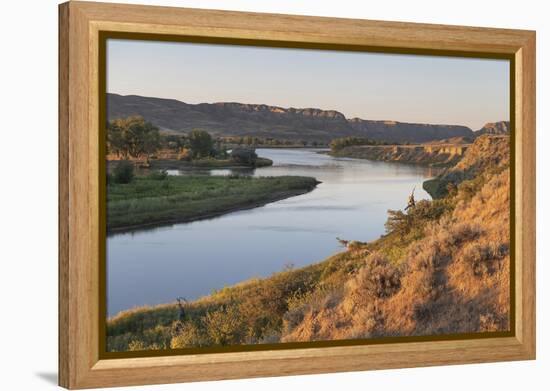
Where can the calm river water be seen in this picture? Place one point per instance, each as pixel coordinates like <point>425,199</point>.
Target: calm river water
<point>191,260</point>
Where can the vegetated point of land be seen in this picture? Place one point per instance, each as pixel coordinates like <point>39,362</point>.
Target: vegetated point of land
<point>158,199</point>
<point>443,267</point>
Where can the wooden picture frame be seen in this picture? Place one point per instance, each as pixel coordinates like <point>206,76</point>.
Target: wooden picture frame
<point>81,24</point>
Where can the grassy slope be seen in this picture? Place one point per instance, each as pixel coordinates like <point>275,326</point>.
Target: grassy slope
<point>491,153</point>
<point>442,268</point>
<point>147,201</point>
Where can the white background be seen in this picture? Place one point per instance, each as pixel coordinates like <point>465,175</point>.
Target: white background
<point>28,215</point>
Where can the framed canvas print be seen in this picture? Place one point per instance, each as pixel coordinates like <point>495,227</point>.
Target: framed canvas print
<point>247,195</point>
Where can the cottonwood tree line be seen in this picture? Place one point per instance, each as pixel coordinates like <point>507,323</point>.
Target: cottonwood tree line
<point>133,138</point>
<point>342,142</point>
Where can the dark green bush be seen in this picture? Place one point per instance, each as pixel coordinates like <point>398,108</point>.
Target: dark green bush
<point>123,172</point>
<point>416,218</point>
<point>244,156</point>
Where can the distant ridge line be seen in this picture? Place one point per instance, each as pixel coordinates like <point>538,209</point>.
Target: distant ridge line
<point>268,121</point>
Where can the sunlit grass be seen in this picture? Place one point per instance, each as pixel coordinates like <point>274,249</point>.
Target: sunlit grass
<point>441,268</point>
<point>149,201</point>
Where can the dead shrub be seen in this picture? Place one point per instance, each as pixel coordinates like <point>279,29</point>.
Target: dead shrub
<point>463,232</point>
<point>490,321</point>
<point>483,257</point>
<point>300,305</point>
<point>377,279</point>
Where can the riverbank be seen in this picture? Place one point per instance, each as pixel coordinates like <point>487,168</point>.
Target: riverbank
<point>148,201</point>
<point>441,268</point>
<point>435,155</point>
<point>291,146</point>
<point>208,163</point>
<point>177,164</point>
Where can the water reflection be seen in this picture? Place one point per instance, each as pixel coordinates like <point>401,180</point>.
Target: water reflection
<point>190,260</point>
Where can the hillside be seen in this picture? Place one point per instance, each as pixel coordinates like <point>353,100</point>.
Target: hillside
<point>442,267</point>
<point>452,278</point>
<point>393,131</point>
<point>257,120</point>
<point>438,155</point>
<point>491,153</point>
<point>494,128</point>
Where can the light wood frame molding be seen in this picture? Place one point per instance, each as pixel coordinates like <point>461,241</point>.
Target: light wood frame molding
<point>80,23</point>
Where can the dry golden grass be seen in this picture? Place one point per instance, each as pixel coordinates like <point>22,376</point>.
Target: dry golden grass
<point>453,280</point>
<point>442,268</point>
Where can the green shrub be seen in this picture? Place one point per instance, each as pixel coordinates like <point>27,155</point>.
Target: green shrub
<point>124,172</point>
<point>416,217</point>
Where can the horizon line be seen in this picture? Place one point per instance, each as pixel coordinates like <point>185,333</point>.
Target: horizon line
<point>305,108</point>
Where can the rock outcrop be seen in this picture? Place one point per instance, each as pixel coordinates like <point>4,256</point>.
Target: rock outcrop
<point>494,128</point>
<point>441,155</point>
<point>487,152</point>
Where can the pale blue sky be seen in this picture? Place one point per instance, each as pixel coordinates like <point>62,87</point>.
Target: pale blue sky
<point>407,88</point>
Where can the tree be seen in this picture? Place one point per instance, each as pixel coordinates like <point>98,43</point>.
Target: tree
<point>132,137</point>
<point>174,142</point>
<point>398,222</point>
<point>244,156</point>
<point>123,172</point>
<point>416,217</point>
<point>339,143</point>
<point>115,140</point>
<point>200,143</point>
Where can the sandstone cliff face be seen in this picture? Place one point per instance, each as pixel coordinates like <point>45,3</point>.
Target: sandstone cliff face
<point>441,155</point>
<point>233,108</point>
<point>487,152</point>
<point>239,119</point>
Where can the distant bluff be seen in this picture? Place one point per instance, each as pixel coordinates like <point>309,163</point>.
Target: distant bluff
<point>495,128</point>
<point>259,120</point>
<point>403,131</point>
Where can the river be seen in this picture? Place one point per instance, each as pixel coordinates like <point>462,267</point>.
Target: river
<point>192,259</point>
